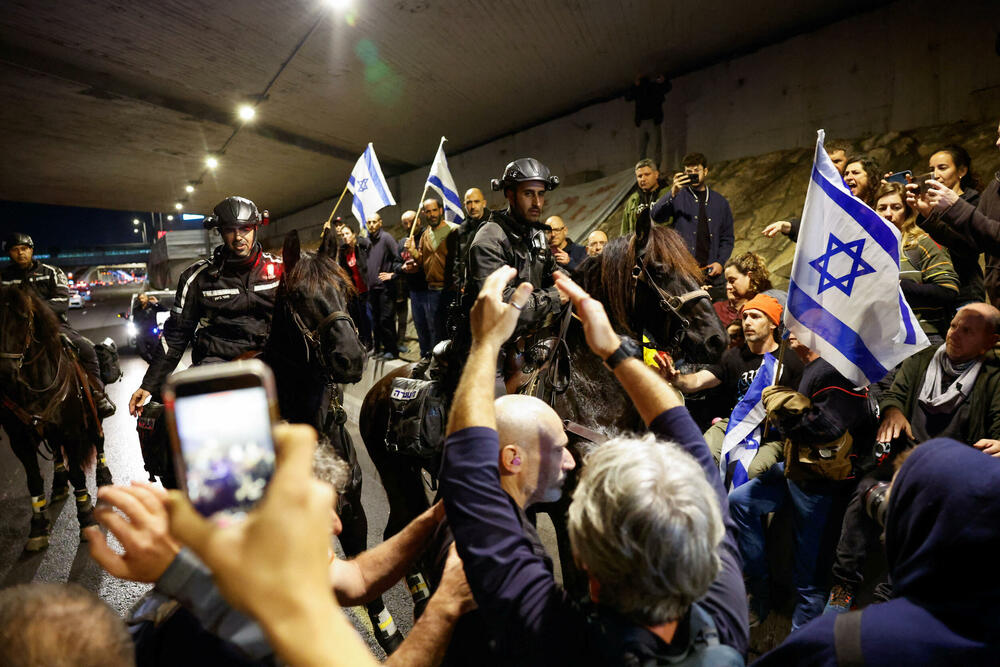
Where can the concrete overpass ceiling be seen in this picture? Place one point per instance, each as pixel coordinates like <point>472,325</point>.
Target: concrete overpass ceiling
<point>114,104</point>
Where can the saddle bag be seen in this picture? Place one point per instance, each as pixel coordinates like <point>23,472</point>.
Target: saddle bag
<point>154,441</point>
<point>107,360</point>
<point>417,418</point>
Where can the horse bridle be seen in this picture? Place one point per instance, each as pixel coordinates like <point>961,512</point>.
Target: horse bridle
<point>19,357</point>
<point>669,303</point>
<point>314,337</point>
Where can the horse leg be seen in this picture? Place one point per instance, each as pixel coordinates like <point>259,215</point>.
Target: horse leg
<point>25,446</point>
<point>84,503</point>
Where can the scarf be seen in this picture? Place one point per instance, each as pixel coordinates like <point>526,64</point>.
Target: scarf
<point>946,384</point>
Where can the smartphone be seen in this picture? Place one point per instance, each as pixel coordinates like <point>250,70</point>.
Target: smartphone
<point>922,179</point>
<point>692,179</point>
<point>220,418</point>
<point>900,177</point>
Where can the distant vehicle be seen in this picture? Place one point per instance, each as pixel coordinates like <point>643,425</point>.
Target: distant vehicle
<point>165,298</point>
<point>75,300</point>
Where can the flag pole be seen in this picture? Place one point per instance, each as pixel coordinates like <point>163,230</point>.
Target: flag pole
<point>326,225</point>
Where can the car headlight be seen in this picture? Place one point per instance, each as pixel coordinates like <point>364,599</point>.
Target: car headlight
<point>130,328</point>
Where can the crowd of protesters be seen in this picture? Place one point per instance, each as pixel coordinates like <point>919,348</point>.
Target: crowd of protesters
<point>678,554</point>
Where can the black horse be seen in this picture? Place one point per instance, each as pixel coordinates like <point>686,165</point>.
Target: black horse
<point>45,399</point>
<point>649,285</point>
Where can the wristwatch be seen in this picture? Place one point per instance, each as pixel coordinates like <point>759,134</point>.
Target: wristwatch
<point>627,348</point>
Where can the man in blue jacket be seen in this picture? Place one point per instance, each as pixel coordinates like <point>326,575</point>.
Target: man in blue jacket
<point>700,215</point>
<point>649,521</point>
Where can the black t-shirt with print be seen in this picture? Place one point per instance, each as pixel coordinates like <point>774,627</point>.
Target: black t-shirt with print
<point>738,367</point>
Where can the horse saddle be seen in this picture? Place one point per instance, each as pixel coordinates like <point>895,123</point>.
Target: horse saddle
<point>529,363</point>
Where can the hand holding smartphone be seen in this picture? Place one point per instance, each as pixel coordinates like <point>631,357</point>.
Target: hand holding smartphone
<point>220,418</point>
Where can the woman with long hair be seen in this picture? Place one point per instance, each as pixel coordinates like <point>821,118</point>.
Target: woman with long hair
<point>746,276</point>
<point>926,273</point>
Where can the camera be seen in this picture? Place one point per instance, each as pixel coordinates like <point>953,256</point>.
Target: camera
<point>876,502</point>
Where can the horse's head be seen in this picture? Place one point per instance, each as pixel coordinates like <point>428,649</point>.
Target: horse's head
<point>649,284</point>
<point>316,291</point>
<point>28,329</point>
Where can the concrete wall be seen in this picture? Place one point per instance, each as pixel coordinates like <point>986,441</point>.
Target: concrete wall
<point>908,65</point>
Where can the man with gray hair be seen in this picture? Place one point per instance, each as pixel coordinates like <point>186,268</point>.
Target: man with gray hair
<point>649,521</point>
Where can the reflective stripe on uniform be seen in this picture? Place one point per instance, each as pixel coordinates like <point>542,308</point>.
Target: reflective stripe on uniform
<point>190,280</point>
<point>266,286</point>
<point>220,292</point>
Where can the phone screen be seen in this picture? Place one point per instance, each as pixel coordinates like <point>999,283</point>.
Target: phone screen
<point>225,441</point>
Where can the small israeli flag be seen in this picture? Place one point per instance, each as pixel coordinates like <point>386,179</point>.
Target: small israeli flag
<point>746,427</point>
<point>367,184</point>
<point>439,179</point>
<point>844,299</point>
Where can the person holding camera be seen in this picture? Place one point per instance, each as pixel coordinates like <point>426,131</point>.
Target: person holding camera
<point>700,215</point>
<point>941,541</point>
<point>952,390</point>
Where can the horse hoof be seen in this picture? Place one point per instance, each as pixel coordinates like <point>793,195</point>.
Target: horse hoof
<point>104,476</point>
<point>37,543</point>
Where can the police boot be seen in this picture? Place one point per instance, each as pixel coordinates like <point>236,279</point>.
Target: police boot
<point>60,483</point>
<point>103,473</point>
<point>38,534</point>
<point>84,513</point>
<point>386,633</point>
<point>105,408</point>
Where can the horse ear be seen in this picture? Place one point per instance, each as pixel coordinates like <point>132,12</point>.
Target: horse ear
<point>328,244</point>
<point>643,225</point>
<point>291,250</point>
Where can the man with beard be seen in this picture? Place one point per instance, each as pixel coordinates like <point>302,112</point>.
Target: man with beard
<point>516,237</point>
<point>223,305</point>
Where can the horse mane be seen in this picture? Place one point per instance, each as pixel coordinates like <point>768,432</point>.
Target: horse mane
<point>608,277</point>
<point>47,327</point>
<point>315,272</point>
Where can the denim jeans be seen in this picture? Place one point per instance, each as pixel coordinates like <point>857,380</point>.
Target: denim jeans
<point>749,504</point>
<point>424,304</point>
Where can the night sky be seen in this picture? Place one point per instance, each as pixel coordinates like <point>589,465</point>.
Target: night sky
<point>74,227</point>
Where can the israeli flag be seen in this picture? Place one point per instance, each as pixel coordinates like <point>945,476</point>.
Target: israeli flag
<point>367,184</point>
<point>746,427</point>
<point>844,299</point>
<point>439,179</point>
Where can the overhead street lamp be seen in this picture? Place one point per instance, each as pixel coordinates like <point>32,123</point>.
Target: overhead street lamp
<point>138,227</point>
<point>247,113</point>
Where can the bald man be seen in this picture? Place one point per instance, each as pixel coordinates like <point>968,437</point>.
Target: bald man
<point>533,465</point>
<point>477,213</point>
<point>596,242</point>
<point>566,253</point>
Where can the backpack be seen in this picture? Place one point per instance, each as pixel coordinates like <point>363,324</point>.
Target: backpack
<point>417,418</point>
<point>107,360</point>
<point>154,441</point>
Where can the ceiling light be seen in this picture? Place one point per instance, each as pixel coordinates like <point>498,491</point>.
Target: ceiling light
<point>189,188</point>
<point>211,162</point>
<point>178,206</point>
<point>170,218</point>
<point>247,112</point>
<point>338,5</point>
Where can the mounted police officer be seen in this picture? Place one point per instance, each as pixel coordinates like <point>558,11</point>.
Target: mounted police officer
<point>49,284</point>
<point>516,237</point>
<point>223,305</point>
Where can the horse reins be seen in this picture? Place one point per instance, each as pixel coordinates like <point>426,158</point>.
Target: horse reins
<point>669,303</point>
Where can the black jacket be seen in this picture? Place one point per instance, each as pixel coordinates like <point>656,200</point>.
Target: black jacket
<point>223,306</point>
<point>464,235</point>
<point>504,241</point>
<point>362,247</point>
<point>47,282</point>
<point>383,257</point>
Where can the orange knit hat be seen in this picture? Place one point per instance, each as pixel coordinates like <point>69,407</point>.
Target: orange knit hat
<point>765,304</point>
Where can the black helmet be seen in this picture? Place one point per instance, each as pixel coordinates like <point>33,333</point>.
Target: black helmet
<point>523,170</point>
<point>234,212</point>
<point>17,238</point>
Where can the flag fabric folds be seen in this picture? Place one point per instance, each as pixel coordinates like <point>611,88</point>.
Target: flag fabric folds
<point>439,179</point>
<point>368,185</point>
<point>746,426</point>
<point>844,299</point>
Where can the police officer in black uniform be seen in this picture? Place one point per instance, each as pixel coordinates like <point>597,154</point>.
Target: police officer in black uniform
<point>49,284</point>
<point>231,296</point>
<point>516,237</point>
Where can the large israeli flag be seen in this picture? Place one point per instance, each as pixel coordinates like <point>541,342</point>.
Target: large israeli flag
<point>439,179</point>
<point>844,299</point>
<point>746,426</point>
<point>367,184</point>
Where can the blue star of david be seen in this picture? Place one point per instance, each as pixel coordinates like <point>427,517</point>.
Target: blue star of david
<point>362,185</point>
<point>844,283</point>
